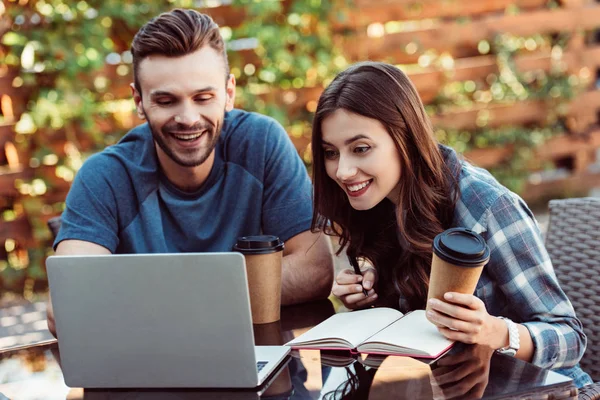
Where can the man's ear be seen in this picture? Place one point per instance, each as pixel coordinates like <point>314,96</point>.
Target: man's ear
<point>137,98</point>
<point>230,91</point>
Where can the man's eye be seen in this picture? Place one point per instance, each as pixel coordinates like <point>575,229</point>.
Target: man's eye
<point>330,154</point>
<point>205,98</point>
<point>164,102</point>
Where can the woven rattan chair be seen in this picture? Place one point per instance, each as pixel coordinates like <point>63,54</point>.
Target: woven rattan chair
<point>573,241</point>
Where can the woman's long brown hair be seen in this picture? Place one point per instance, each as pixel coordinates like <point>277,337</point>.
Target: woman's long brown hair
<point>428,189</point>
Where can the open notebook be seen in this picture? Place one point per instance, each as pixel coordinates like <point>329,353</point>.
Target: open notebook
<point>377,331</point>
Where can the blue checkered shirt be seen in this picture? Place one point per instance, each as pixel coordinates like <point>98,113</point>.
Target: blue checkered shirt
<point>519,281</point>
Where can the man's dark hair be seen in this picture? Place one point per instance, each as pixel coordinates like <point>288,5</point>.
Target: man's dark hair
<point>174,34</point>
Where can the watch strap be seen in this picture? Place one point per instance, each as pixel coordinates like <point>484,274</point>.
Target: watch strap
<point>514,342</point>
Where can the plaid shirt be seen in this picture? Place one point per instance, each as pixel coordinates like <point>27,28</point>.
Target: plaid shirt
<point>519,281</point>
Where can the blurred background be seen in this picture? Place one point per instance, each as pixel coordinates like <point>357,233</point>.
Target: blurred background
<point>513,85</point>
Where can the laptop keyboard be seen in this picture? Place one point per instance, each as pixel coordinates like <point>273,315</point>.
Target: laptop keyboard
<point>260,365</point>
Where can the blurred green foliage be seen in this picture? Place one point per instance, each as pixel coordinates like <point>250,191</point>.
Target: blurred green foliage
<point>554,88</point>
<point>75,66</point>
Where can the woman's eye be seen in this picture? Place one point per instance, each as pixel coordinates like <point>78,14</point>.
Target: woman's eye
<point>361,149</point>
<point>330,154</point>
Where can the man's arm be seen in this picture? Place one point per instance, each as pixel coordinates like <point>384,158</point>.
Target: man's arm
<point>307,268</point>
<point>72,248</point>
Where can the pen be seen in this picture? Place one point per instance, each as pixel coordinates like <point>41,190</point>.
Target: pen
<point>357,271</point>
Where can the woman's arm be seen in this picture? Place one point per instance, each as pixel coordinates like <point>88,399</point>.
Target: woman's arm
<point>551,335</point>
<point>522,268</point>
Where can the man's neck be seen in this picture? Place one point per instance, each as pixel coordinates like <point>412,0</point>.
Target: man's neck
<point>187,179</point>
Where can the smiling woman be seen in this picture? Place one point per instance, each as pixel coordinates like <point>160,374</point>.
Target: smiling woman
<point>363,143</point>
<point>361,157</point>
<point>386,188</point>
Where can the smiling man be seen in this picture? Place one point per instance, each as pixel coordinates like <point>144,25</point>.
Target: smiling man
<point>199,173</point>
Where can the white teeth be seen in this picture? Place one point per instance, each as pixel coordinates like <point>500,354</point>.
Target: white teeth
<point>188,137</point>
<point>355,188</point>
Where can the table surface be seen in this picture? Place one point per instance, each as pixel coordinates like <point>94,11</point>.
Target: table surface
<point>33,372</point>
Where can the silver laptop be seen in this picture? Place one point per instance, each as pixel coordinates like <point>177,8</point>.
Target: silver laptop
<point>157,320</point>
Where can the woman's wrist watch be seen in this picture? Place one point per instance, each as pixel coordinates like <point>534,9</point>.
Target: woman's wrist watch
<point>514,341</point>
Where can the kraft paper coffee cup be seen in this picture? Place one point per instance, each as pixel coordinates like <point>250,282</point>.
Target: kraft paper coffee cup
<point>263,254</point>
<point>459,256</point>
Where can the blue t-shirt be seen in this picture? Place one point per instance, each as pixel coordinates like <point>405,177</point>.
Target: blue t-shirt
<point>258,184</point>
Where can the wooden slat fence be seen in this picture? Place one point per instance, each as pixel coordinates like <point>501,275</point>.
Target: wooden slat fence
<point>399,31</point>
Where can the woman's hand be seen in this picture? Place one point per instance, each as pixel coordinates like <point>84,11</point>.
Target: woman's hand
<point>348,287</point>
<point>464,318</point>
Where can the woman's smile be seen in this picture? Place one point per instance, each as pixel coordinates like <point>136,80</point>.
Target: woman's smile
<point>358,189</point>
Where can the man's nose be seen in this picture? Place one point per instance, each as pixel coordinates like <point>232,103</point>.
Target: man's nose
<point>188,115</point>
<point>345,170</point>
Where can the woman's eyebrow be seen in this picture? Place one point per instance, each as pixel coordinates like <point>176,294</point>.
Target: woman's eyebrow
<point>348,141</point>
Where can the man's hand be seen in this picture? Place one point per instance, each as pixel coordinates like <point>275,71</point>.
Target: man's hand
<point>348,287</point>
<point>50,316</point>
<point>71,248</point>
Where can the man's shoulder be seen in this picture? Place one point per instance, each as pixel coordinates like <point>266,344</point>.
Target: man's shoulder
<point>249,139</point>
<point>247,126</point>
<point>137,142</point>
<point>131,154</point>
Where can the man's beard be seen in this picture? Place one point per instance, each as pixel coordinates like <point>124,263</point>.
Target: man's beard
<point>213,131</point>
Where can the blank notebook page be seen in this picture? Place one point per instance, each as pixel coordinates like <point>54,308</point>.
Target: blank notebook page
<point>414,331</point>
<point>353,327</point>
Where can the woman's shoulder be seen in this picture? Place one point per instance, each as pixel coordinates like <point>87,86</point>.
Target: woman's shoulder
<point>478,188</point>
<point>479,193</point>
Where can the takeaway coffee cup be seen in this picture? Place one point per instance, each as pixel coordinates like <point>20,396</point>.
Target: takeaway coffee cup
<point>459,255</point>
<point>263,254</point>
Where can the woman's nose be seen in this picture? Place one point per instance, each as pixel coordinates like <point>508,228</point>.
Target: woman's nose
<point>345,170</point>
